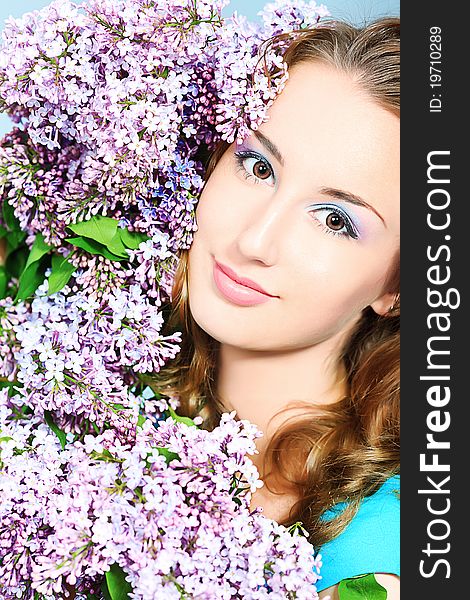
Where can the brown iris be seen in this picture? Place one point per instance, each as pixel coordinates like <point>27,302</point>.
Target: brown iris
<point>261,170</point>
<point>335,221</point>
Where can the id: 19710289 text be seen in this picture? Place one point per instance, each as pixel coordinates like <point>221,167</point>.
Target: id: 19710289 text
<point>435,69</point>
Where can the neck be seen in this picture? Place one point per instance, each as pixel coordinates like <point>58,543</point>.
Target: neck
<point>258,385</point>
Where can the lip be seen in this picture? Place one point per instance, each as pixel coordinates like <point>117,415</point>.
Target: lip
<point>238,290</point>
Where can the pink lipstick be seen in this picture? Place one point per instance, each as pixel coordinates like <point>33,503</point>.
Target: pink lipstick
<point>238,290</point>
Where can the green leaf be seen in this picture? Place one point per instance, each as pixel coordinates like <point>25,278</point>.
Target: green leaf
<point>14,240</point>
<point>104,589</point>
<point>364,587</point>
<point>57,430</point>
<point>117,247</point>
<point>169,456</point>
<point>132,239</point>
<point>61,272</point>
<point>104,231</point>
<point>30,280</point>
<point>16,261</point>
<point>178,419</point>
<point>98,228</point>
<point>5,438</point>
<point>33,272</point>
<point>38,250</point>
<point>93,247</point>
<point>117,588</point>
<point>9,218</point>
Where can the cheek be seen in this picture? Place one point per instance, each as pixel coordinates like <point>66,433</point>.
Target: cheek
<point>211,217</point>
<point>224,203</point>
<point>337,280</point>
<point>204,217</point>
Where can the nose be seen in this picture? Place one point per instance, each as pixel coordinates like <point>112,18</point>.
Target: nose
<point>261,237</point>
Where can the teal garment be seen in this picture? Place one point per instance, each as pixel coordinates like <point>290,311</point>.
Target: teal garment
<point>371,541</point>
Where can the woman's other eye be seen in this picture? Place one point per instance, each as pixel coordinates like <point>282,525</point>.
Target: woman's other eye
<point>331,219</point>
<point>334,221</point>
<point>253,166</point>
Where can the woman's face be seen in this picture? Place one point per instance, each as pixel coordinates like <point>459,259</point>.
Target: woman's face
<point>307,210</point>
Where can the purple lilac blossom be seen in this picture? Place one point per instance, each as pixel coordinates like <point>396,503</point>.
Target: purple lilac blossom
<point>114,122</point>
<point>118,104</point>
<point>74,350</point>
<point>68,515</point>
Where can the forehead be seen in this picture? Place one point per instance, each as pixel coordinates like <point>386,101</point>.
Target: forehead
<point>330,130</point>
<point>320,102</point>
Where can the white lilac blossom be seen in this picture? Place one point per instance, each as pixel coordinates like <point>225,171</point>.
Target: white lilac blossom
<point>118,105</point>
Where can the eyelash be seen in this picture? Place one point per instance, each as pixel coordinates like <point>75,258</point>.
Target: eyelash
<point>350,233</point>
<point>242,155</point>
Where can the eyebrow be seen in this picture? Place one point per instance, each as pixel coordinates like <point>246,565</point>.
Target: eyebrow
<point>351,198</point>
<point>269,145</point>
<point>327,191</point>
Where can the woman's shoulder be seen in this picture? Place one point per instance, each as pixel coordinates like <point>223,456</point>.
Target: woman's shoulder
<point>371,541</point>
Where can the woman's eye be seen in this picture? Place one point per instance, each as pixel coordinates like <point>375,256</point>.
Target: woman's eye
<point>253,166</point>
<point>334,221</point>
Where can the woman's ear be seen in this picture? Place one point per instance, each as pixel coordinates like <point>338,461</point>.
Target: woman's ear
<point>386,304</point>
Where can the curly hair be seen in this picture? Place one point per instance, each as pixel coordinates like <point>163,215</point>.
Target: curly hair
<point>349,448</point>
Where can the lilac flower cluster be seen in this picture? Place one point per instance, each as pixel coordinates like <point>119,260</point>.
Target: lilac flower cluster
<point>36,180</point>
<point>283,15</point>
<point>118,104</point>
<point>115,111</point>
<point>173,525</point>
<point>75,351</point>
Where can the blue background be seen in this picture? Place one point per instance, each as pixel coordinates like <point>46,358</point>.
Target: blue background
<point>355,11</point>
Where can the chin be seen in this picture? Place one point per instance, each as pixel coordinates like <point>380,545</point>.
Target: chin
<point>212,320</point>
<point>238,332</point>
<point>223,329</point>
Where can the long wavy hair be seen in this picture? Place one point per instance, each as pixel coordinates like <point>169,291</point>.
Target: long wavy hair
<point>351,447</point>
